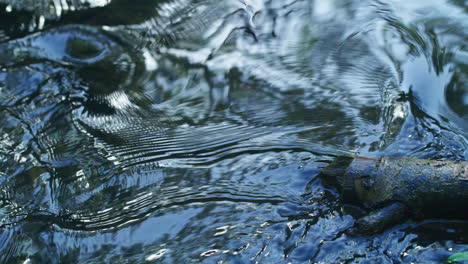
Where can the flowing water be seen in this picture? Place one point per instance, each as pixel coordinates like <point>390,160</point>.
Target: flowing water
<point>179,131</point>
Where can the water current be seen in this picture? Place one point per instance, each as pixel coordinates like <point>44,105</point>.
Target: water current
<point>193,131</point>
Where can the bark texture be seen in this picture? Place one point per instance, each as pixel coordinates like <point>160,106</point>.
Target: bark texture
<point>428,188</point>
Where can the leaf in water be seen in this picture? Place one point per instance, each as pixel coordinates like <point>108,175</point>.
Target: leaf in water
<point>462,256</point>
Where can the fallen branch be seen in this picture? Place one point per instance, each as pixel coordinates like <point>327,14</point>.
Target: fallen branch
<point>397,188</point>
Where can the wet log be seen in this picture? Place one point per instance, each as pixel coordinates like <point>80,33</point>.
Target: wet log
<point>394,189</point>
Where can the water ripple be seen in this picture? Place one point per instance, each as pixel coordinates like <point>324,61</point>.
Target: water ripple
<point>193,131</point>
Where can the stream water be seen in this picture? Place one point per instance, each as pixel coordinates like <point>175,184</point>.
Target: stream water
<point>180,131</point>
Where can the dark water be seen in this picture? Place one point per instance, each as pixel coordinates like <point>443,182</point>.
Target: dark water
<point>193,131</point>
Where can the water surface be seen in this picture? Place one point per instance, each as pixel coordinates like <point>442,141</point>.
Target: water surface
<point>194,131</point>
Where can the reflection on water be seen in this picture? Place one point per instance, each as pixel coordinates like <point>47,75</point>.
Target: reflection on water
<point>193,131</point>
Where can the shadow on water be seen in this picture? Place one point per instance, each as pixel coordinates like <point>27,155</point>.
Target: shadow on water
<point>194,131</point>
